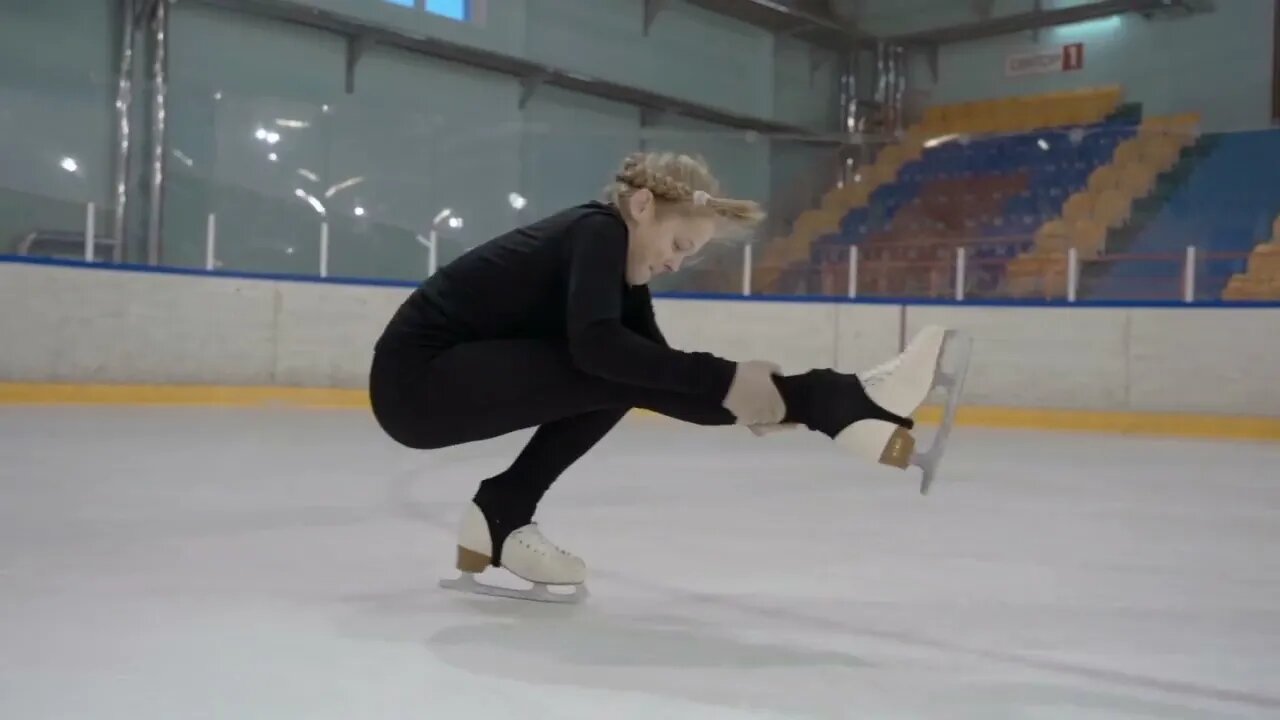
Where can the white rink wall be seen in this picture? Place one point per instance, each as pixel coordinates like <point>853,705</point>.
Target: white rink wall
<point>67,324</point>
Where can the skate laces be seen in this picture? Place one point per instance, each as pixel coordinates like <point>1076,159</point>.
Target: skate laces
<point>878,373</point>
<point>532,538</point>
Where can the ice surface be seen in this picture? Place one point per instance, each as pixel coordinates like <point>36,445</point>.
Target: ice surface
<point>195,563</point>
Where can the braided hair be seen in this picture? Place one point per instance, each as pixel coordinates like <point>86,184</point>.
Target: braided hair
<point>682,181</point>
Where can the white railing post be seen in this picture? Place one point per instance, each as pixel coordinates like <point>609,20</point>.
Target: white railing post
<point>1189,276</point>
<point>433,253</point>
<point>960,263</point>
<point>1073,273</point>
<point>89,233</point>
<point>324,249</point>
<point>211,242</point>
<point>746,269</point>
<point>853,271</point>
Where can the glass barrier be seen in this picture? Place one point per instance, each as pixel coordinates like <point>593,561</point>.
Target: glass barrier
<point>1126,208</point>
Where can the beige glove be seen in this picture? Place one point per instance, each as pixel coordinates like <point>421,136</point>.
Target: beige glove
<point>753,398</point>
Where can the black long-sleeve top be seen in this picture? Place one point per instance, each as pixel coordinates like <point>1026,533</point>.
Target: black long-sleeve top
<point>561,277</point>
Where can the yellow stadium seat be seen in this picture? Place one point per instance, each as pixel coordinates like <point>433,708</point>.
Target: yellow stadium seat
<point>890,155</point>
<point>1159,151</point>
<point>1264,261</point>
<point>1042,274</point>
<point>812,223</point>
<point>1138,179</point>
<point>1088,237</point>
<point>951,111</point>
<point>1129,151</point>
<point>1078,207</point>
<point>882,173</point>
<point>1105,178</point>
<point>1112,208</point>
<point>1052,237</point>
<point>986,118</point>
<point>1188,123</point>
<point>1245,287</point>
<point>1032,113</point>
<point>1008,115</point>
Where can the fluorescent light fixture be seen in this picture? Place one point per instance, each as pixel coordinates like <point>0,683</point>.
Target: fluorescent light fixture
<point>1099,26</point>
<point>349,182</point>
<point>315,203</point>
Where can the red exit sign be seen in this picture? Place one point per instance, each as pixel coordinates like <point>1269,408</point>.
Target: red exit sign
<point>1067,58</point>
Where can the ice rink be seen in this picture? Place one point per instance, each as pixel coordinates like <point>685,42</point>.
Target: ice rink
<point>196,563</point>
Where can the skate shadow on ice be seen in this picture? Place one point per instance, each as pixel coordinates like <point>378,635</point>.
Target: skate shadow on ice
<point>632,651</point>
<point>625,641</point>
<point>576,634</point>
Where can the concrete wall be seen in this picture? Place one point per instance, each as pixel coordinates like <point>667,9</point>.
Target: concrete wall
<point>75,325</point>
<point>1218,63</point>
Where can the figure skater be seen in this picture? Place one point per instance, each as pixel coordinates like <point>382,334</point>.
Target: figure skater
<point>551,326</point>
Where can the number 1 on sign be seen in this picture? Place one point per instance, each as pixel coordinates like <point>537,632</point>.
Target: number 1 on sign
<point>1072,57</point>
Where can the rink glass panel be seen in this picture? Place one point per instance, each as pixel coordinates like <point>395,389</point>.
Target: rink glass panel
<point>300,176</point>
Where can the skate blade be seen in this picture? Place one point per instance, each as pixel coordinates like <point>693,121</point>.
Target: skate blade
<point>957,347</point>
<point>540,592</point>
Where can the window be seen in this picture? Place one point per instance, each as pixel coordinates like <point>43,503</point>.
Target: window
<point>452,9</point>
<point>459,10</point>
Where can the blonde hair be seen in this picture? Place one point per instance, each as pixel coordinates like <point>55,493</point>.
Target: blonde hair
<point>683,183</point>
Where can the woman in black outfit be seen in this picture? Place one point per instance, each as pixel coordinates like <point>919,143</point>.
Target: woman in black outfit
<point>551,326</point>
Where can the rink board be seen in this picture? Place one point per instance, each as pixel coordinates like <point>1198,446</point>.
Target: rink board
<point>1125,423</point>
<point>72,334</point>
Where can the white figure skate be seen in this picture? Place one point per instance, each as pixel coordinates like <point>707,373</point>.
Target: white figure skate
<point>525,554</point>
<point>935,358</point>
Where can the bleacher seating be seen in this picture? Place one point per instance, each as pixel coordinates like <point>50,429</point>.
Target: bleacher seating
<point>1019,114</point>
<point>1104,203</point>
<point>1020,181</point>
<point>1261,279</point>
<point>1224,209</point>
<point>992,192</point>
<point>929,151</point>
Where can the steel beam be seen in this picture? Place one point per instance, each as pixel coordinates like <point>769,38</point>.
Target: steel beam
<point>521,68</point>
<point>1037,20</point>
<point>777,17</point>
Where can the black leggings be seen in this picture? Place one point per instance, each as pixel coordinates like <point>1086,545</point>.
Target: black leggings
<point>477,391</point>
<point>429,399</point>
